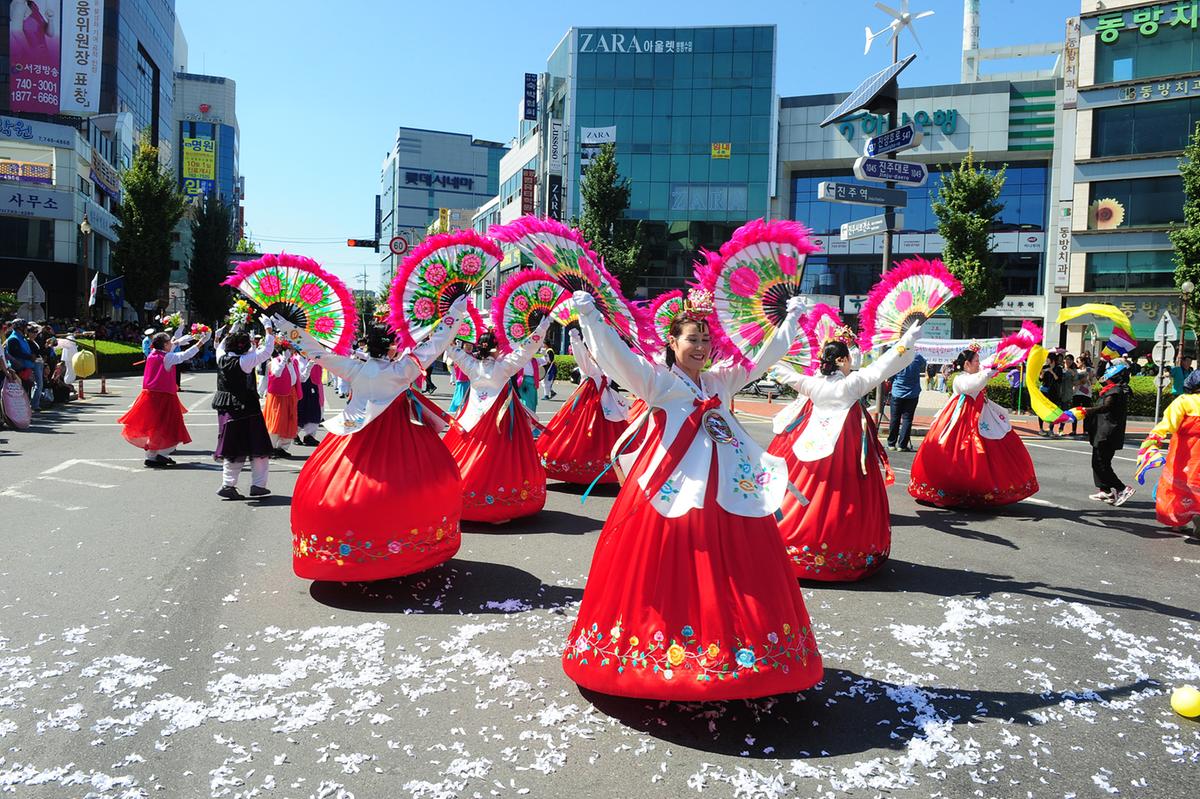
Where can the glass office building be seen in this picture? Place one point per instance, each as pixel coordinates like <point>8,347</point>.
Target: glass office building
<point>692,113</point>
<point>1006,124</point>
<point>1138,102</point>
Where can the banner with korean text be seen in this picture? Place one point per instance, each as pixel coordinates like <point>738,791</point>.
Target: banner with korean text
<point>199,165</point>
<point>82,53</point>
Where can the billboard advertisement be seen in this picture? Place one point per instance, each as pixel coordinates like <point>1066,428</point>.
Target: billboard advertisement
<point>34,46</point>
<point>199,165</point>
<point>26,172</point>
<point>82,50</point>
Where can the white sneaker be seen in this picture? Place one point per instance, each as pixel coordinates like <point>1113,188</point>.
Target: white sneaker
<point>1102,496</point>
<point>1124,496</point>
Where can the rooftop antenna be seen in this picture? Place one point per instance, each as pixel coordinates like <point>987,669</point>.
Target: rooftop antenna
<point>900,20</point>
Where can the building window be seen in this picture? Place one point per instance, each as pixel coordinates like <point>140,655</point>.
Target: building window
<point>26,238</point>
<point>1130,271</point>
<point>1171,51</point>
<point>1144,128</point>
<point>1139,202</point>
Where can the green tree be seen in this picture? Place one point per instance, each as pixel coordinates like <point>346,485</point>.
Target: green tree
<point>248,246</point>
<point>8,303</point>
<point>212,241</point>
<point>966,206</point>
<point>148,213</point>
<point>615,239</point>
<point>1186,237</point>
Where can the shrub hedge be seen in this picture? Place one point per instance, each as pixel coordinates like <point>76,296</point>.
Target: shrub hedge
<point>565,364</point>
<point>113,356</point>
<point>1141,404</point>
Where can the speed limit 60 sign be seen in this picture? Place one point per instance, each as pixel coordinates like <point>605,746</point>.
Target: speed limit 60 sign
<point>398,245</point>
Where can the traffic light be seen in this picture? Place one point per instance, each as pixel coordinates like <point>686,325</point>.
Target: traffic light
<point>362,243</point>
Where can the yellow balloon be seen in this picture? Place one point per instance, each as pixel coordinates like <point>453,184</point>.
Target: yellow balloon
<point>1185,701</point>
<point>84,363</point>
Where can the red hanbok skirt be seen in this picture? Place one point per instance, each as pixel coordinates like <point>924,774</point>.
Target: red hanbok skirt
<point>578,441</point>
<point>1177,498</point>
<point>845,531</point>
<point>502,473</point>
<point>281,413</point>
<point>155,421</point>
<point>695,608</point>
<point>956,467</point>
<point>383,502</point>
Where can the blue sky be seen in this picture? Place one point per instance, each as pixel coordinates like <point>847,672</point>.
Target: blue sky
<point>322,87</point>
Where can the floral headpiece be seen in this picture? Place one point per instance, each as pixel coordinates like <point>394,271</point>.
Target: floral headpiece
<point>845,335</point>
<point>699,305</point>
<point>974,346</point>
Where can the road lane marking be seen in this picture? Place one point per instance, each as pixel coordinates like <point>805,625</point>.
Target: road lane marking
<point>87,483</point>
<point>200,401</point>
<point>15,494</point>
<point>92,462</point>
<point>1076,451</point>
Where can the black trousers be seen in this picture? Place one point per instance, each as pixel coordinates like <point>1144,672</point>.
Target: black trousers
<point>1102,471</point>
<point>900,425</point>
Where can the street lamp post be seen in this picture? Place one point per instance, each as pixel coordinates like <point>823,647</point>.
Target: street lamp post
<point>85,232</point>
<point>1186,290</point>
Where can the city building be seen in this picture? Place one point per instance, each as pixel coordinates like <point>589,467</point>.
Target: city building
<point>1005,123</point>
<point>1136,103</point>
<point>69,122</point>
<point>692,112</point>
<point>427,171</point>
<point>207,142</point>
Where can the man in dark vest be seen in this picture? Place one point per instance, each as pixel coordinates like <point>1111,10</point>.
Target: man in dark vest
<point>242,433</point>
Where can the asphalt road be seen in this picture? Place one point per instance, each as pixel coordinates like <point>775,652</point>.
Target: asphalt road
<point>154,642</point>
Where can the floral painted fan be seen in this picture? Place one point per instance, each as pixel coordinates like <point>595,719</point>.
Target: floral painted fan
<point>562,253</point>
<point>805,353</point>
<point>437,273</point>
<point>525,299</point>
<point>566,313</point>
<point>908,294</point>
<point>299,290</point>
<point>824,321</point>
<point>664,310</point>
<point>751,279</point>
<point>1014,349</point>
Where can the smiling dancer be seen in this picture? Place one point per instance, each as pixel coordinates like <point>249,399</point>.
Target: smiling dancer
<point>690,595</point>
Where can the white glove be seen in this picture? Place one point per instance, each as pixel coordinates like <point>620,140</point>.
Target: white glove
<point>911,335</point>
<point>797,305</point>
<point>268,323</point>
<point>458,309</point>
<point>584,301</point>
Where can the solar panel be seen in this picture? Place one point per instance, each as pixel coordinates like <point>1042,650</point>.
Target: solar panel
<point>867,91</point>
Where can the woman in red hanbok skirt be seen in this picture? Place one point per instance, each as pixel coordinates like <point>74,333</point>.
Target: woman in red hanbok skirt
<point>1177,497</point>
<point>971,457</point>
<point>577,443</point>
<point>154,422</point>
<point>836,462</point>
<point>502,473</point>
<point>380,496</point>
<point>690,595</point>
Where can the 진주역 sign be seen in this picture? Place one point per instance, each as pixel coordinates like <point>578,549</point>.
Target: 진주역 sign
<point>830,191</point>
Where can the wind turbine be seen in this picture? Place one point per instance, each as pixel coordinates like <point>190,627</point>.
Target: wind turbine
<point>900,20</point>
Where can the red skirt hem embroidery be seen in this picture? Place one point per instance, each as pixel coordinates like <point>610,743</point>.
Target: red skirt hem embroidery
<point>576,444</point>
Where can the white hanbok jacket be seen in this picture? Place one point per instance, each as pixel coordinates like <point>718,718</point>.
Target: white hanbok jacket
<point>752,483</point>
<point>612,404</point>
<point>831,398</point>
<point>993,421</point>
<point>376,382</point>
<point>488,378</point>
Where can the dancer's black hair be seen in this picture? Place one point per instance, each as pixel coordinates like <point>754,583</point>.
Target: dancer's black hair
<point>830,353</point>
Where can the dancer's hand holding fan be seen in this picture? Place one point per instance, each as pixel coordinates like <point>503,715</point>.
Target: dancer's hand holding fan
<point>525,299</point>
<point>563,253</point>
<point>297,289</point>
<point>907,295</point>
<point>442,269</point>
<point>752,279</point>
<point>1014,348</point>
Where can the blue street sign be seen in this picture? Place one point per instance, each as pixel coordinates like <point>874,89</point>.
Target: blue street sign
<point>860,195</point>
<point>904,137</point>
<point>907,173</point>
